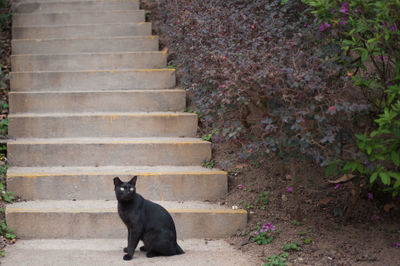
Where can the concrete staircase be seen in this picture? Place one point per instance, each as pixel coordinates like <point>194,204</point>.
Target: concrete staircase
<point>91,99</point>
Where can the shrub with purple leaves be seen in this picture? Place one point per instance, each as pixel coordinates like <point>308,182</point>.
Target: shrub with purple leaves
<point>258,71</point>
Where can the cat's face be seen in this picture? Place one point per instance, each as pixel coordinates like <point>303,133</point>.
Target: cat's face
<point>125,191</point>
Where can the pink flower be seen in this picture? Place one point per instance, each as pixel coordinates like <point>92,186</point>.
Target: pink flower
<point>370,196</point>
<point>324,26</point>
<point>289,189</point>
<point>396,245</point>
<point>240,186</point>
<point>337,186</point>
<point>343,21</point>
<point>345,8</point>
<point>331,110</point>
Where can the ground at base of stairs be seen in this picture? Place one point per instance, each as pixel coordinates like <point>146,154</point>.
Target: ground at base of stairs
<point>109,252</point>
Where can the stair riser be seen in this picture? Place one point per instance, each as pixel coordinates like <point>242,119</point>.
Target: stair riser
<point>75,6</point>
<point>68,46</point>
<point>108,224</point>
<point>117,154</point>
<point>93,80</point>
<point>171,187</point>
<point>88,61</point>
<point>168,125</point>
<point>128,101</point>
<point>78,18</point>
<point>82,31</point>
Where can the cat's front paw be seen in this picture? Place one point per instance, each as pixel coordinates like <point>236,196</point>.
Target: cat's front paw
<point>126,250</point>
<point>127,257</point>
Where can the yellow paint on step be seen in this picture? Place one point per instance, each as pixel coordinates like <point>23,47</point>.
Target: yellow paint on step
<point>109,210</point>
<point>41,175</point>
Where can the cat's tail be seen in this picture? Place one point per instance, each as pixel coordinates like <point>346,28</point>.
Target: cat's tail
<point>179,250</point>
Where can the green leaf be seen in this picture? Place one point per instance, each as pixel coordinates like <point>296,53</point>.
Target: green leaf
<point>395,158</point>
<point>373,177</point>
<point>385,178</point>
<point>396,184</point>
<point>364,55</point>
<point>330,169</point>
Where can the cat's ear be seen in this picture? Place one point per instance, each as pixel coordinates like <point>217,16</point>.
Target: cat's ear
<point>133,181</point>
<point>117,181</point>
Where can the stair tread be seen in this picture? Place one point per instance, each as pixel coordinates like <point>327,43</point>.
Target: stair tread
<point>87,170</point>
<point>88,38</point>
<point>81,12</point>
<point>102,91</point>
<point>83,25</point>
<point>91,206</point>
<point>99,71</point>
<point>85,114</point>
<point>99,140</point>
<point>92,53</point>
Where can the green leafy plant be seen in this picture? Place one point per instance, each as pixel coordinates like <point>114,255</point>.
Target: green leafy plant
<point>368,34</point>
<point>264,234</point>
<point>208,164</point>
<point>277,260</point>
<point>291,246</point>
<point>208,137</point>
<point>307,241</point>
<point>262,199</point>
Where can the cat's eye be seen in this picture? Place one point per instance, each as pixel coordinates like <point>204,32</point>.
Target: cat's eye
<point>131,189</point>
<point>122,189</point>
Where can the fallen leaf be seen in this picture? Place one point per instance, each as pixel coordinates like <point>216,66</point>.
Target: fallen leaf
<point>241,166</point>
<point>343,178</point>
<point>324,201</point>
<point>288,177</point>
<point>389,206</point>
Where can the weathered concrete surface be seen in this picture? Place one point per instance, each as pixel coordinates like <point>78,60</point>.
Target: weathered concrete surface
<point>85,45</point>
<point>75,6</point>
<point>169,183</point>
<point>82,31</point>
<point>107,152</point>
<point>99,219</point>
<point>100,101</point>
<point>99,252</point>
<point>127,79</point>
<point>119,125</point>
<point>89,61</point>
<point>89,17</point>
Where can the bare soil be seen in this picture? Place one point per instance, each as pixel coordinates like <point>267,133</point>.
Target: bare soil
<point>342,233</point>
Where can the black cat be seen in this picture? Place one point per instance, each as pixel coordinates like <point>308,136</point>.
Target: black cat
<point>146,221</point>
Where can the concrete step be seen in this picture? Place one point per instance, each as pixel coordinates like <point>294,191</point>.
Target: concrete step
<point>97,101</point>
<point>74,6</point>
<point>106,252</point>
<point>88,17</point>
<point>85,45</point>
<point>89,61</point>
<point>82,31</point>
<point>118,125</point>
<point>94,183</point>
<point>127,79</point>
<point>99,219</point>
<point>107,152</point>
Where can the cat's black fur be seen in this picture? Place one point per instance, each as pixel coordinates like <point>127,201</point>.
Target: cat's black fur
<point>146,221</point>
